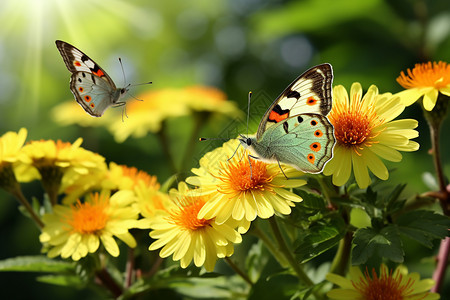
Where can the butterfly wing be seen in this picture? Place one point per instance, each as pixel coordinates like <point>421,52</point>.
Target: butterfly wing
<point>77,61</point>
<point>93,93</point>
<point>304,141</point>
<point>310,93</point>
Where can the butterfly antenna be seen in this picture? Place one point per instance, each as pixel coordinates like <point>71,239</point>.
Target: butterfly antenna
<point>123,73</point>
<point>248,109</point>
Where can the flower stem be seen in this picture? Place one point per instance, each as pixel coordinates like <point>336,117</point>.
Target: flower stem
<point>340,261</point>
<point>444,198</point>
<point>199,120</point>
<point>23,201</point>
<point>269,244</point>
<point>104,278</point>
<point>290,258</point>
<point>162,135</point>
<point>129,269</point>
<point>439,272</point>
<point>238,271</point>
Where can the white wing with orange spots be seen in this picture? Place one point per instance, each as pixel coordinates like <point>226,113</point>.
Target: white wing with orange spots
<point>310,93</point>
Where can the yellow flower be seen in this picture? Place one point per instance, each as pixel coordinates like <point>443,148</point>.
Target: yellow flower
<point>365,130</point>
<point>70,112</point>
<point>237,194</point>
<point>127,178</point>
<point>181,233</point>
<point>398,285</point>
<point>147,115</point>
<point>58,162</point>
<point>151,200</point>
<point>10,156</point>
<point>209,99</point>
<point>427,80</point>
<point>117,177</point>
<point>76,230</point>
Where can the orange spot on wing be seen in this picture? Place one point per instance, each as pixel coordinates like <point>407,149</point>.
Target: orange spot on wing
<point>92,105</point>
<point>81,89</point>
<point>87,98</point>
<point>318,133</point>
<point>77,63</point>
<point>311,101</point>
<point>311,158</point>
<point>274,116</point>
<point>99,73</point>
<point>315,147</point>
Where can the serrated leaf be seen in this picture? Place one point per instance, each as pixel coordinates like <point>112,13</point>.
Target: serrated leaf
<point>319,238</point>
<point>423,226</point>
<point>35,264</point>
<point>312,201</point>
<point>384,243</point>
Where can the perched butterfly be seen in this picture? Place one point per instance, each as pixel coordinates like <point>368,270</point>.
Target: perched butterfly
<point>295,130</point>
<point>93,89</point>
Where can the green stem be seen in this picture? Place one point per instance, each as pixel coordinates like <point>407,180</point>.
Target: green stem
<point>24,202</point>
<point>255,230</point>
<point>162,135</point>
<point>129,268</point>
<point>238,271</point>
<point>290,257</point>
<point>444,199</point>
<point>103,277</point>
<point>342,257</point>
<point>199,121</point>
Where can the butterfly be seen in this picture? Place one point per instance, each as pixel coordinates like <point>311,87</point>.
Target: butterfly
<point>295,130</point>
<point>92,87</point>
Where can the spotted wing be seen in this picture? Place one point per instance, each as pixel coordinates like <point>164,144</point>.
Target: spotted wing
<point>77,61</point>
<point>305,141</point>
<point>311,92</point>
<point>93,93</point>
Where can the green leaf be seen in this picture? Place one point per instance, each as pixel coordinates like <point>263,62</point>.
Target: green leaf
<point>312,201</point>
<point>62,280</point>
<point>423,226</point>
<point>35,264</point>
<point>319,238</point>
<point>256,260</point>
<point>383,243</point>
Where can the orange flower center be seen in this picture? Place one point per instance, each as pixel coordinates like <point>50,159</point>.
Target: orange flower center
<point>353,125</point>
<point>89,218</point>
<point>240,177</point>
<point>385,287</point>
<point>435,75</point>
<point>186,216</point>
<point>138,175</point>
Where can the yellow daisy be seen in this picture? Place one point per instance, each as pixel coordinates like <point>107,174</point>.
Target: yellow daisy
<point>180,233</point>
<point>397,285</point>
<point>425,80</point>
<point>70,112</point>
<point>365,131</point>
<point>116,177</point>
<point>51,161</point>
<point>148,115</point>
<point>209,99</point>
<point>237,194</point>
<point>151,200</point>
<point>10,155</point>
<point>76,230</point>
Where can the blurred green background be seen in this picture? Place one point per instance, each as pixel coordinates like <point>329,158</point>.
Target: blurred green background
<point>234,45</point>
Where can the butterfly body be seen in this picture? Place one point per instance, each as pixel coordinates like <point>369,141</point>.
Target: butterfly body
<point>295,129</point>
<point>91,86</point>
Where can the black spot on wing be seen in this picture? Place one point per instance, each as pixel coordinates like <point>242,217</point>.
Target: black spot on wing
<point>84,58</point>
<point>293,94</point>
<point>79,79</point>
<point>279,110</point>
<point>299,119</point>
<point>286,127</point>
